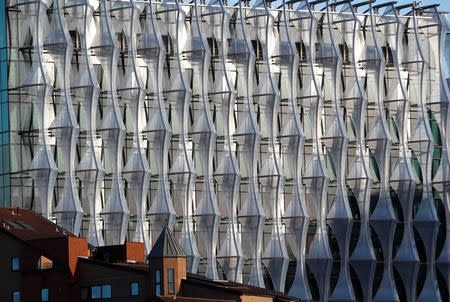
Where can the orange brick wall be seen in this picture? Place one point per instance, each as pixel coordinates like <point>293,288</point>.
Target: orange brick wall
<point>178,264</point>
<point>245,298</point>
<point>78,247</point>
<point>135,251</point>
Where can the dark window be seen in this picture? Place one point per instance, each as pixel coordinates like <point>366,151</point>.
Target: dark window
<point>345,53</point>
<point>15,264</point>
<point>16,296</point>
<point>158,282</point>
<point>134,289</point>
<point>44,294</point>
<point>388,56</point>
<point>84,293</point>
<point>75,39</point>
<point>171,280</point>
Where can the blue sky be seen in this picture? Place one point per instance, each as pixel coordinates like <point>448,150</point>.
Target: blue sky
<point>445,4</point>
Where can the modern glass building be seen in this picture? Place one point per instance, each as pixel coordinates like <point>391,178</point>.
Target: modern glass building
<point>297,145</point>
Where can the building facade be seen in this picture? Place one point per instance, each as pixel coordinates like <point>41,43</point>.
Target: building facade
<point>41,261</point>
<point>302,145</point>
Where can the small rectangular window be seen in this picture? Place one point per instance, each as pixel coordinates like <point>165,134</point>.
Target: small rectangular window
<point>16,296</point>
<point>15,264</point>
<point>171,280</point>
<point>84,293</point>
<point>158,282</point>
<point>96,292</point>
<point>106,291</point>
<point>134,289</point>
<point>44,294</point>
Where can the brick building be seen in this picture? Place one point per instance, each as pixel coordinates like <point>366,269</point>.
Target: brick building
<point>39,258</point>
<point>44,262</point>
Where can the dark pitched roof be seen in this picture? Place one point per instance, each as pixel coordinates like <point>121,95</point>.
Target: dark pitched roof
<point>27,225</point>
<point>185,299</point>
<point>140,268</point>
<point>166,246</point>
<point>237,288</point>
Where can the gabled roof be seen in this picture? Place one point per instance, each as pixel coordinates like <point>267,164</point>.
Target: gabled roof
<point>27,225</point>
<point>166,246</point>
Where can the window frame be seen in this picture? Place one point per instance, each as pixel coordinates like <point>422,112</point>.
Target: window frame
<point>133,294</point>
<point>101,290</point>
<point>13,262</point>
<point>158,283</point>
<point>45,289</point>
<point>13,296</point>
<point>85,291</point>
<point>104,286</point>
<point>91,290</point>
<point>171,281</point>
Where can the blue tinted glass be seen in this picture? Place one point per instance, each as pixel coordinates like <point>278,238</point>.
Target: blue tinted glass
<point>134,289</point>
<point>15,264</point>
<point>44,294</point>
<point>171,274</point>
<point>171,278</point>
<point>16,296</point>
<point>106,291</point>
<point>158,289</point>
<point>4,110</point>
<point>158,277</point>
<point>96,292</point>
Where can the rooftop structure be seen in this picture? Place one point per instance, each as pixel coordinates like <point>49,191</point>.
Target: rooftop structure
<point>38,265</point>
<point>166,246</point>
<point>28,225</point>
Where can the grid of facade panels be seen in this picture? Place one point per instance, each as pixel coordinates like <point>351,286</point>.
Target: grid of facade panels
<point>302,146</point>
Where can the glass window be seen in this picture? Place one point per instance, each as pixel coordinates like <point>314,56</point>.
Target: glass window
<point>84,293</point>
<point>44,294</point>
<point>171,280</point>
<point>158,282</point>
<point>16,296</point>
<point>96,292</point>
<point>106,291</point>
<point>15,264</point>
<point>134,288</point>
